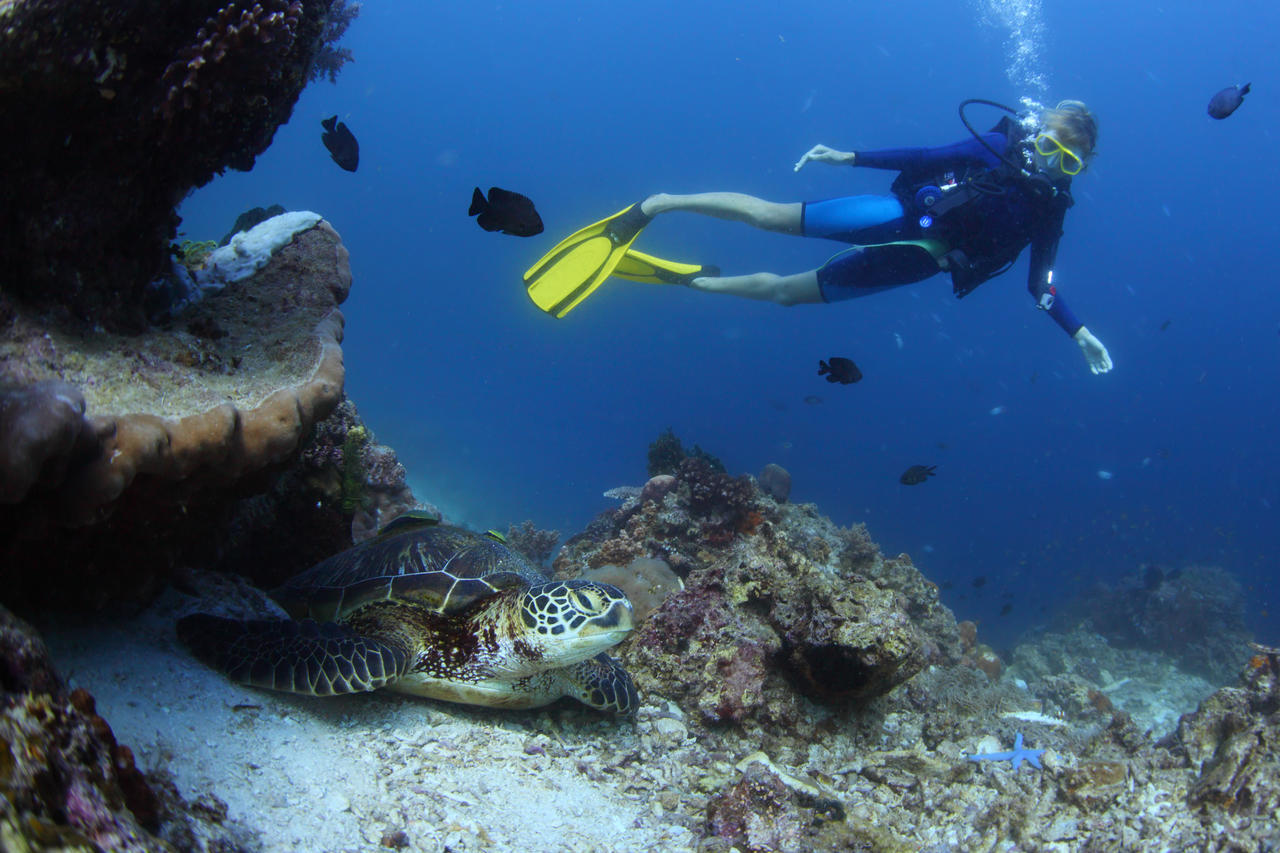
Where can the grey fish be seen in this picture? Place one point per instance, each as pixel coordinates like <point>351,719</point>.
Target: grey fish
<point>1228,100</point>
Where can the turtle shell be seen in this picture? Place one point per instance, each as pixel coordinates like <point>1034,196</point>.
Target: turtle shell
<point>415,559</point>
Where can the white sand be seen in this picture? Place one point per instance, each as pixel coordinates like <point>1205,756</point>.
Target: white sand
<point>337,774</point>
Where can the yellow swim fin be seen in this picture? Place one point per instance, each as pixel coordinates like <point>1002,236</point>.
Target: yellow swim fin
<point>580,263</point>
<point>637,266</point>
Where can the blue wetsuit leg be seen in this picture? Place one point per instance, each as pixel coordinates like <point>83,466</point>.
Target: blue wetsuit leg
<point>863,270</point>
<point>854,219</point>
<point>866,269</point>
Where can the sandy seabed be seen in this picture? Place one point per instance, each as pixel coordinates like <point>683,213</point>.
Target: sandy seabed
<point>346,773</point>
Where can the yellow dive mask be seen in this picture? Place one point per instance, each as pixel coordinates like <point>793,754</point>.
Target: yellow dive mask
<point>1069,162</point>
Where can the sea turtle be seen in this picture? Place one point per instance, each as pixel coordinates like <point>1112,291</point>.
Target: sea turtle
<point>433,610</point>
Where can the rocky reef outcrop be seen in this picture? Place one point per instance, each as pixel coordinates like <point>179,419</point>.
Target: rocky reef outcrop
<point>128,455</point>
<point>781,613</point>
<point>122,111</point>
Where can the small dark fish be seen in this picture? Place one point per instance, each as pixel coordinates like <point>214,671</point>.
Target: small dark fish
<point>813,399</point>
<point>1165,325</point>
<point>980,581</point>
<point>505,211</point>
<point>916,474</point>
<point>1006,610</point>
<point>1228,100</point>
<point>840,370</point>
<point>342,145</point>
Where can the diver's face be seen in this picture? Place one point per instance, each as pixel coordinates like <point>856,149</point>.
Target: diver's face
<point>1053,158</point>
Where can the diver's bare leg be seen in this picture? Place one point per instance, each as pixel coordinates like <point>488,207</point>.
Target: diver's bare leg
<point>756,212</point>
<point>798,289</point>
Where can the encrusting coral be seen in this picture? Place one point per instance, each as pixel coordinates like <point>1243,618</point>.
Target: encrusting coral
<point>761,629</point>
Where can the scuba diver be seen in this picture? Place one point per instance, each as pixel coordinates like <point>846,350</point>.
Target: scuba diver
<point>968,208</point>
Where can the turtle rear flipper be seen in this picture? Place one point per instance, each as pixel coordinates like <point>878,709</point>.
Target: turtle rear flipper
<point>602,683</point>
<point>307,657</point>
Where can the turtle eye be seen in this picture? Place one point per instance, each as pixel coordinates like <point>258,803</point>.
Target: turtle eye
<point>587,599</point>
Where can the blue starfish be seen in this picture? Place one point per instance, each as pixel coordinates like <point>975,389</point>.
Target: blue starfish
<point>1016,756</point>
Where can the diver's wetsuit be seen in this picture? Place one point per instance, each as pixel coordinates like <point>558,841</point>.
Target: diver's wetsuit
<point>1000,224</point>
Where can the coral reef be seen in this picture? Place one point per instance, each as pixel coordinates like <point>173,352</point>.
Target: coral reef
<point>667,452</point>
<point>762,629</point>
<point>308,513</point>
<point>65,779</point>
<point>125,111</point>
<point>537,545</point>
<point>775,481</point>
<point>179,425</point>
<point>1232,743</point>
<point>329,57</point>
<point>1194,614</point>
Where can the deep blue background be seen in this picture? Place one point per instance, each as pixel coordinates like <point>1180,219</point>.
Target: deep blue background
<point>502,413</point>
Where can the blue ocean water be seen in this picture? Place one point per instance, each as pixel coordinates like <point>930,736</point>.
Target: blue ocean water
<point>502,413</point>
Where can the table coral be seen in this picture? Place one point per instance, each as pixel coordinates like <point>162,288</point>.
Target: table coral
<point>177,420</point>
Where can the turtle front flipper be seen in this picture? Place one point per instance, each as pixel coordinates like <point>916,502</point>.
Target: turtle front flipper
<point>307,657</point>
<point>602,683</point>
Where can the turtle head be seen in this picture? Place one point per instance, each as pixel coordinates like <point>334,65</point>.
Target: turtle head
<point>575,619</point>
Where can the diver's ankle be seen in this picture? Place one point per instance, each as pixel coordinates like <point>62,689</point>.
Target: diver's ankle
<point>654,204</point>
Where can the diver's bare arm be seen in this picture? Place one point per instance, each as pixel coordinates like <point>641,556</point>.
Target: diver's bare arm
<point>822,154</point>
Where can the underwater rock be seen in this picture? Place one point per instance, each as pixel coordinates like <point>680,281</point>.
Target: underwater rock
<point>775,481</point>
<point>178,420</point>
<point>1195,615</point>
<point>772,616</point>
<point>1232,743</point>
<point>123,113</point>
<point>43,426</point>
<point>65,779</point>
<point>759,813</point>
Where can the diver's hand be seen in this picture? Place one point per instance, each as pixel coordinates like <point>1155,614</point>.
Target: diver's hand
<point>822,154</point>
<point>1094,352</point>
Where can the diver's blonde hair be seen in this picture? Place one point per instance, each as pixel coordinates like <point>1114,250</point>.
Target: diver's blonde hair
<point>1073,125</point>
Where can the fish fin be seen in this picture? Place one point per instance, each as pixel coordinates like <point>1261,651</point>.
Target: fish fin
<point>478,203</point>
<point>1244,89</point>
<point>329,123</point>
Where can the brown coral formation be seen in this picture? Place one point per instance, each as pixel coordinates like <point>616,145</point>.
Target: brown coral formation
<point>773,616</point>
<point>125,111</point>
<point>176,421</point>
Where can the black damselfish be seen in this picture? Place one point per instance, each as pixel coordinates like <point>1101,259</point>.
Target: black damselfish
<point>340,141</point>
<point>1228,100</point>
<point>840,370</point>
<point>505,211</point>
<point>916,474</point>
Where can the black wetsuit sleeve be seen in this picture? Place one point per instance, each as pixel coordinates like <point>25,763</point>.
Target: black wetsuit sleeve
<point>1044,250</point>
<point>956,154</point>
